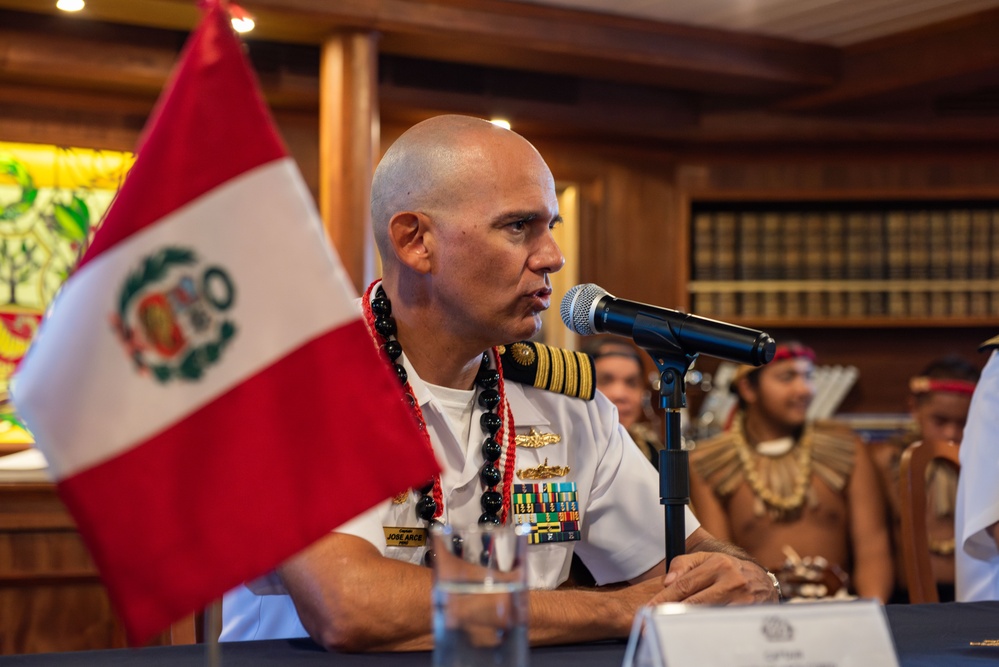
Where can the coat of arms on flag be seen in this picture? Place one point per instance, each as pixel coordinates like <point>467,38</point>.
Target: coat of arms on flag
<point>171,314</point>
<point>267,393</point>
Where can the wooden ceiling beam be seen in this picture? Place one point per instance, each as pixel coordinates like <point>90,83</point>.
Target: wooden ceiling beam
<point>524,36</point>
<point>935,57</point>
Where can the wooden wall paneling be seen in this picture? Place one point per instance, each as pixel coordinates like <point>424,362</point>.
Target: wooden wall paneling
<point>632,220</point>
<point>348,141</point>
<point>300,131</point>
<point>51,598</point>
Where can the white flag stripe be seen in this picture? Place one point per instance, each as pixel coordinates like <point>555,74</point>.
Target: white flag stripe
<point>262,229</point>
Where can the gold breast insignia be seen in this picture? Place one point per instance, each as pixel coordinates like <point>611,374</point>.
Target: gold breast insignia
<point>543,471</point>
<point>402,498</point>
<point>533,440</point>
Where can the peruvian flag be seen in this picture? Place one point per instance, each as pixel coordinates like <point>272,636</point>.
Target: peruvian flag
<point>203,387</point>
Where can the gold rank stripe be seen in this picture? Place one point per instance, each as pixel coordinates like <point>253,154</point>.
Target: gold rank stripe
<point>571,373</point>
<point>563,371</point>
<point>558,370</point>
<point>586,377</point>
<point>544,367</point>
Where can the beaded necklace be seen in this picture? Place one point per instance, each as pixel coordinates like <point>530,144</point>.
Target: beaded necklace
<point>496,422</point>
<point>789,474</point>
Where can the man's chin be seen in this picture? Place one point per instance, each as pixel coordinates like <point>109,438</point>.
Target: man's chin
<point>529,329</point>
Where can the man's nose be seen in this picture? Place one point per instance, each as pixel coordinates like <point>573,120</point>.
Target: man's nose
<point>549,257</point>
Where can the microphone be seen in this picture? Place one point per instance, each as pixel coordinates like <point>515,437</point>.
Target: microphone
<point>589,309</point>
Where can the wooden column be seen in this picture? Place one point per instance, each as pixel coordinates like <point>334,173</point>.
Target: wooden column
<point>348,145</point>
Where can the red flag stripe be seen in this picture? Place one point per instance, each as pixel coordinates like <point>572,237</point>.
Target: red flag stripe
<point>198,530</point>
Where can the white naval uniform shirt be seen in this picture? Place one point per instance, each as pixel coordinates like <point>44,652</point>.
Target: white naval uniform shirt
<point>976,557</point>
<point>621,519</point>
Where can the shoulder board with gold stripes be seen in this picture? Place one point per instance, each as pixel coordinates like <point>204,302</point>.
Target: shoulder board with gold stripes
<point>989,345</point>
<point>550,368</point>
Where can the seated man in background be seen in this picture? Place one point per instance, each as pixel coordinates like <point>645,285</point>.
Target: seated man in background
<point>976,526</point>
<point>939,399</point>
<point>463,213</point>
<point>621,377</point>
<point>779,486</point>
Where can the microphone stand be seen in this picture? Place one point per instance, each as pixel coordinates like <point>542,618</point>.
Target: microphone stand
<point>674,474</point>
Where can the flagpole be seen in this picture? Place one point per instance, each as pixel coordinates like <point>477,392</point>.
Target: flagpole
<point>212,630</point>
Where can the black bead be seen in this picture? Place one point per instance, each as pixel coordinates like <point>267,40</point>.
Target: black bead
<point>428,558</point>
<point>401,372</point>
<point>489,518</point>
<point>487,378</point>
<point>381,306</point>
<point>457,546</point>
<point>426,508</point>
<point>410,400</point>
<point>427,488</point>
<point>385,326</point>
<point>490,423</point>
<point>489,399</point>
<point>393,349</point>
<point>492,502</point>
<point>491,450</point>
<point>490,475</point>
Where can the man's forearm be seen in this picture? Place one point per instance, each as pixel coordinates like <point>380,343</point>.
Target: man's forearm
<point>588,614</point>
<point>710,544</point>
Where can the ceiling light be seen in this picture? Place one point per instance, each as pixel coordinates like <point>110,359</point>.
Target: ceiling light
<point>242,20</point>
<point>70,5</point>
<point>500,122</point>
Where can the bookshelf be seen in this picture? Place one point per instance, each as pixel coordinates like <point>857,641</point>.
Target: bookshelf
<point>846,264</point>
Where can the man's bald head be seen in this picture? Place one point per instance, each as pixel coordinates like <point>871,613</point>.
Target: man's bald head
<point>430,166</point>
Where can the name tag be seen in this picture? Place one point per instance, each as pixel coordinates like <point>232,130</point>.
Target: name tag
<point>405,537</point>
<point>822,634</point>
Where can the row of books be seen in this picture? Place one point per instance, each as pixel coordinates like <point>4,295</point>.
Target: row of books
<point>851,304</point>
<point>893,244</point>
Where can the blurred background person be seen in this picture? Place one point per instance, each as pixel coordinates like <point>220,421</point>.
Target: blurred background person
<point>939,398</point>
<point>622,377</point>
<point>801,497</point>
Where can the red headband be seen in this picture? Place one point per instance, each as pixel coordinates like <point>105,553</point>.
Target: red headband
<point>925,385</point>
<point>782,353</point>
<point>794,351</point>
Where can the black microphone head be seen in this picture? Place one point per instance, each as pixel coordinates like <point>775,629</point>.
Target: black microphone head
<point>766,347</point>
<point>577,307</point>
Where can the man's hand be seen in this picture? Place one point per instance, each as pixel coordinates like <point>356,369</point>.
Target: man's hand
<point>715,578</point>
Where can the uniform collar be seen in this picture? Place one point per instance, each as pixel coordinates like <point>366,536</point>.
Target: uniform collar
<point>525,411</point>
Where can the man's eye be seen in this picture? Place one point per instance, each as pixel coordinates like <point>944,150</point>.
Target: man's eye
<point>518,225</point>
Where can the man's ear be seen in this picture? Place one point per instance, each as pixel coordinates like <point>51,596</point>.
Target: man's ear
<point>407,231</point>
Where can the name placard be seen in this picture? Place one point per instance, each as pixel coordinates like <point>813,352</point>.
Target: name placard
<point>819,634</point>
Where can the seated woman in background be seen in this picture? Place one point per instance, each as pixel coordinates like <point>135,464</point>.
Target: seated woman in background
<point>621,377</point>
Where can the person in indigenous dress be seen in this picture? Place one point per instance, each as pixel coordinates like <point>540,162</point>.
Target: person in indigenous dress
<point>939,398</point>
<point>801,497</point>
